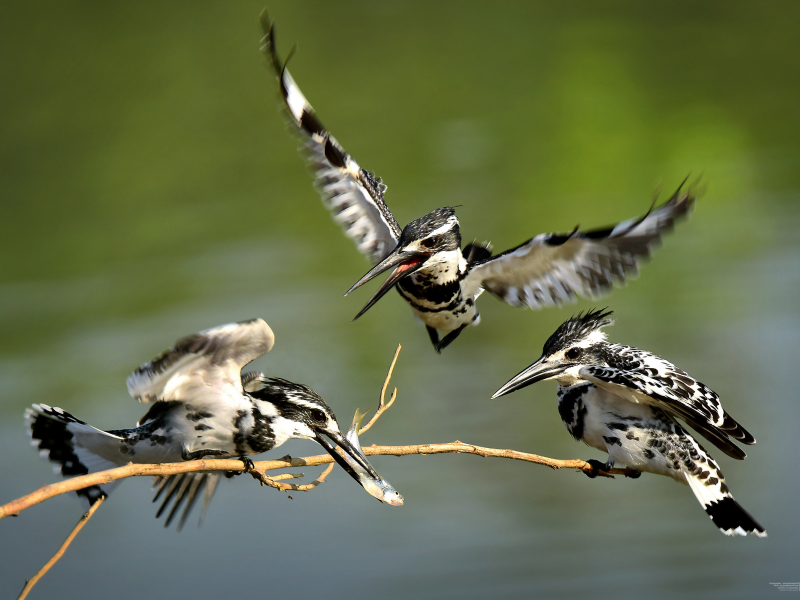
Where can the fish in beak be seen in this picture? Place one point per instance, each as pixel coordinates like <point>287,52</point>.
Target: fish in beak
<point>350,457</point>
<point>538,371</point>
<point>406,262</point>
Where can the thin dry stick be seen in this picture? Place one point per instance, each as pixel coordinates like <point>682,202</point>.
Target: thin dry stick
<point>382,404</point>
<point>290,487</point>
<point>86,516</point>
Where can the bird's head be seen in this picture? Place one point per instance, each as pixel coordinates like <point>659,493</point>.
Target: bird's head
<point>297,411</point>
<point>578,342</point>
<point>419,245</point>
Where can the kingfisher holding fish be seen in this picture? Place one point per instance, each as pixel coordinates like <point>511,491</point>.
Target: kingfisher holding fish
<point>432,273</point>
<point>203,406</point>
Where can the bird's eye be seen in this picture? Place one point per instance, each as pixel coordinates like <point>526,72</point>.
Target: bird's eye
<point>318,415</point>
<point>428,243</point>
<point>573,353</point>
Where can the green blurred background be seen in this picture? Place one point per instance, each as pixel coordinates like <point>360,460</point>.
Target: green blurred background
<point>150,189</point>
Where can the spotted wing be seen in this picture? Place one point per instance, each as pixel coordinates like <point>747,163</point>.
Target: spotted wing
<point>205,367</point>
<point>352,194</point>
<point>642,377</point>
<point>555,268</point>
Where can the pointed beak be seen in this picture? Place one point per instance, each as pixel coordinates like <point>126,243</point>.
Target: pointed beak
<point>358,467</point>
<point>406,263</point>
<point>337,439</point>
<point>538,371</point>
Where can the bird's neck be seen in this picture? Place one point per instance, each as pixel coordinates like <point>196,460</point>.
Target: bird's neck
<point>441,268</point>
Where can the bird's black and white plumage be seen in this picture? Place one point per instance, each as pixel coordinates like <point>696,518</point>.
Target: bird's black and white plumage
<point>432,273</point>
<point>625,402</point>
<point>202,406</point>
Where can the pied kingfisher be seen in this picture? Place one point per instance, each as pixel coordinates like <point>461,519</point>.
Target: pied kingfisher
<point>202,406</point>
<point>625,402</point>
<point>439,280</point>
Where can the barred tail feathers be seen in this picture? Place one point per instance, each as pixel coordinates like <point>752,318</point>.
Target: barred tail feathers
<point>73,447</point>
<point>724,511</point>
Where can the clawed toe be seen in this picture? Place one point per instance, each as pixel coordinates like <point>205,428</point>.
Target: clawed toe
<point>598,466</point>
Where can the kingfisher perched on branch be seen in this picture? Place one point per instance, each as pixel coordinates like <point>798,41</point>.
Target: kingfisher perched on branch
<point>202,406</point>
<point>440,280</point>
<point>626,402</point>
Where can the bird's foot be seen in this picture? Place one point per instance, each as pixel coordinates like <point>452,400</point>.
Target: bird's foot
<point>598,466</point>
<point>633,474</point>
<point>249,465</point>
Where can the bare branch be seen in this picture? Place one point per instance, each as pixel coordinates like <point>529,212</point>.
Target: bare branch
<point>86,516</point>
<point>382,404</point>
<point>193,466</point>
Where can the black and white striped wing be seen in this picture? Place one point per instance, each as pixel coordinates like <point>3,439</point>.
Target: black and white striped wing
<point>642,377</point>
<point>205,367</point>
<point>556,268</point>
<point>352,194</point>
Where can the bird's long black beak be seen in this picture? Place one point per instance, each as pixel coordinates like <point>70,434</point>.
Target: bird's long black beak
<point>538,371</point>
<point>406,263</point>
<point>337,439</point>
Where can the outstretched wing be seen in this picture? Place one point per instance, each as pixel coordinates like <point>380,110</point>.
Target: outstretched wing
<point>555,268</point>
<point>353,195</point>
<point>649,379</point>
<point>204,366</point>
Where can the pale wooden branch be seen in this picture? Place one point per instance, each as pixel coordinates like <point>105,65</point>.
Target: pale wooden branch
<point>382,404</point>
<point>194,466</point>
<point>86,516</point>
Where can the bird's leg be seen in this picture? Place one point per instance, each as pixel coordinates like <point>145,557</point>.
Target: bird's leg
<point>633,474</point>
<point>434,335</point>
<point>446,340</point>
<point>198,454</point>
<point>598,466</point>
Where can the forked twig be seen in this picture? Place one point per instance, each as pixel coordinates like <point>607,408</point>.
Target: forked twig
<point>274,482</point>
<point>86,516</point>
<point>382,404</point>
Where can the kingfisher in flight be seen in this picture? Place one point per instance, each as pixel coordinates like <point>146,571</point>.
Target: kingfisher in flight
<point>433,274</point>
<point>627,402</point>
<point>202,406</point>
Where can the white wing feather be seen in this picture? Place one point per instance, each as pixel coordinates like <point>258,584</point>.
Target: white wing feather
<point>202,366</point>
<point>352,194</point>
<point>555,268</point>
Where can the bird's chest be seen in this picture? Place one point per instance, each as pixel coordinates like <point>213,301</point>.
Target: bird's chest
<point>601,419</point>
<point>435,294</point>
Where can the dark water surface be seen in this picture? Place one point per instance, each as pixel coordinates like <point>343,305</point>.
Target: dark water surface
<point>150,190</point>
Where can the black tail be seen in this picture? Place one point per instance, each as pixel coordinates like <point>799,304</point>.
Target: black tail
<point>732,519</point>
<point>48,428</point>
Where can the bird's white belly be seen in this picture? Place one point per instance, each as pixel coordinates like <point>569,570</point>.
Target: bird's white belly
<point>622,429</point>
<point>448,320</point>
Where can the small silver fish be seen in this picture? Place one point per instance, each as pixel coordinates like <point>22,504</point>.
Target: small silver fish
<point>377,487</point>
